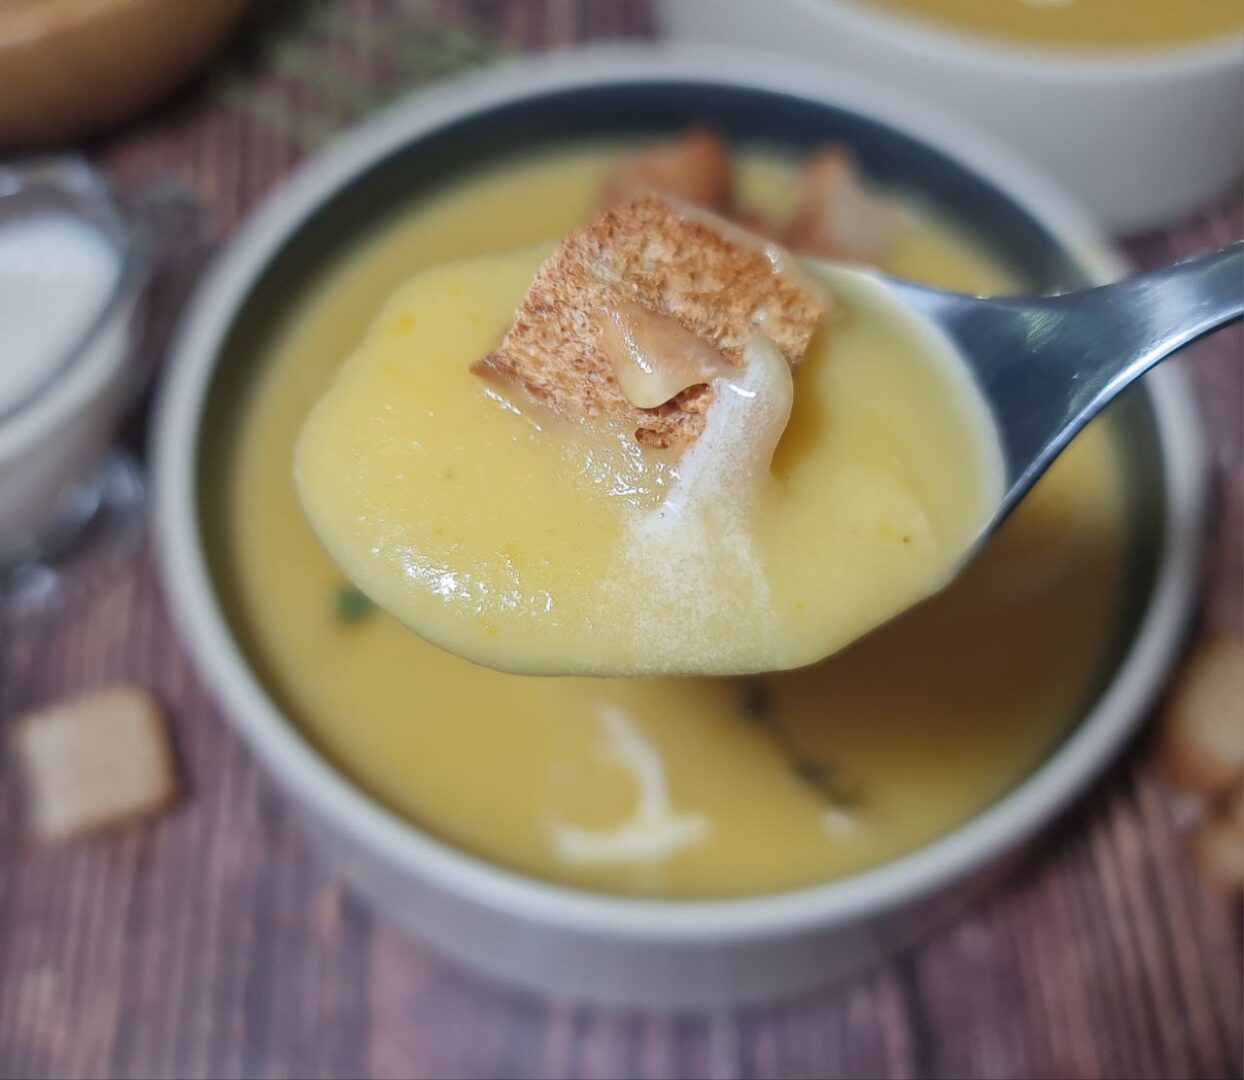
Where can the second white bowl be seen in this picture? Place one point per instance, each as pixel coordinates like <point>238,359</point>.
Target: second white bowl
<point>1142,138</point>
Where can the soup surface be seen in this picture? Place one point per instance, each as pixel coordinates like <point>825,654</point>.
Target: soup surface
<point>1102,23</point>
<point>667,787</point>
<point>541,546</point>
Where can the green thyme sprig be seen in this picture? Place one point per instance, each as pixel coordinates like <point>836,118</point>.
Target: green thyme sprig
<point>405,50</point>
<point>756,705</point>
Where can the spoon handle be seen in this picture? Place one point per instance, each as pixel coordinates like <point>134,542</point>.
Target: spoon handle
<point>1098,342</point>
<point>1157,314</point>
<point>1048,365</point>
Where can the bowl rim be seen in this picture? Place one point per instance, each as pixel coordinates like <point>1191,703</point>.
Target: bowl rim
<point>997,55</point>
<point>311,778</point>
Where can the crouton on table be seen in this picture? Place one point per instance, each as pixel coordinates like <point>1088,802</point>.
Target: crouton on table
<point>93,761</point>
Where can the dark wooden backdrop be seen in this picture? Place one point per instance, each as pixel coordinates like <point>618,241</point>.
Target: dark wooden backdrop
<point>211,944</point>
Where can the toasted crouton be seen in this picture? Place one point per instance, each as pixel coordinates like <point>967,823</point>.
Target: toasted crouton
<point>95,760</point>
<point>838,215</point>
<point>693,167</point>
<point>673,261</point>
<point>1202,741</point>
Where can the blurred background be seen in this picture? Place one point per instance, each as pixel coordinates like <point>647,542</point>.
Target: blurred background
<point>208,941</point>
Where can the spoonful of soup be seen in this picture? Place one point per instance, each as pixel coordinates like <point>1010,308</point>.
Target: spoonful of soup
<point>667,447</point>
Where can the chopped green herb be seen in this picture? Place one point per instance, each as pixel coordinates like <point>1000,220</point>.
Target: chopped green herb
<point>351,605</point>
<point>757,701</point>
<point>826,781</point>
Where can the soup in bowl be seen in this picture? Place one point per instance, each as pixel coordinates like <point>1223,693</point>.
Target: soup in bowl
<point>663,840</point>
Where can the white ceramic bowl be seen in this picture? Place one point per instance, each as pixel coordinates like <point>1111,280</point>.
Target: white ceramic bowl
<point>650,952</point>
<point>1141,138</point>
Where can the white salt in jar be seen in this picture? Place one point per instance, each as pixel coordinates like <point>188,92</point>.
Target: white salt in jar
<point>72,277</point>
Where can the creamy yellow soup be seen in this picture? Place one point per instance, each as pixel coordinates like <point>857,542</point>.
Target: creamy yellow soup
<point>541,547</point>
<point>663,787</point>
<point>1103,23</point>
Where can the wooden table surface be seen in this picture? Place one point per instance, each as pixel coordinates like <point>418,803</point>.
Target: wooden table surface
<point>211,944</point>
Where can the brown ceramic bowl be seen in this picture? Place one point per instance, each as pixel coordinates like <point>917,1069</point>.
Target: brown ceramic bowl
<point>68,67</point>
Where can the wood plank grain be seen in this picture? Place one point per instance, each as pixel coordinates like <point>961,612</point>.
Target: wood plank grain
<point>212,944</point>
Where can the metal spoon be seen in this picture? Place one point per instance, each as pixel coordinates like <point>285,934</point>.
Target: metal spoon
<point>1047,365</point>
